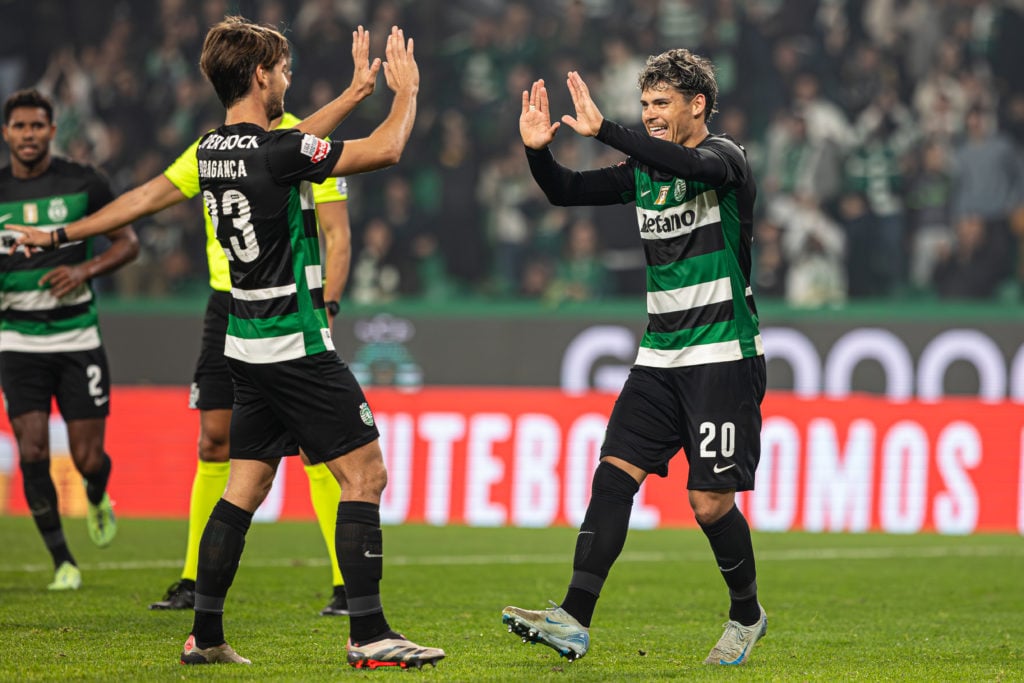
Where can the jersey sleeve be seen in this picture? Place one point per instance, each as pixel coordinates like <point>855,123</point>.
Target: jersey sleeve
<point>184,172</point>
<point>293,156</point>
<point>719,162</point>
<point>330,190</point>
<point>564,187</point>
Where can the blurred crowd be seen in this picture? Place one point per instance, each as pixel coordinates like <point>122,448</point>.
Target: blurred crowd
<point>887,136</point>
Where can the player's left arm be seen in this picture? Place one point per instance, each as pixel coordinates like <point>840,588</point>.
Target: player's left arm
<point>718,162</point>
<point>333,220</point>
<point>124,247</point>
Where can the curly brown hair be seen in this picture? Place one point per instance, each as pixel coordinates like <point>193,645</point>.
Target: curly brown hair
<point>685,71</point>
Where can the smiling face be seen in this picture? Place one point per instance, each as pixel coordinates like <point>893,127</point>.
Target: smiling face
<point>28,132</point>
<point>669,115</point>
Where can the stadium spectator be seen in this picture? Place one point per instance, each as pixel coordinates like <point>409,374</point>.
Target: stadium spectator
<point>972,265</point>
<point>506,192</point>
<point>377,272</point>
<point>702,333</point>
<point>874,170</point>
<point>50,346</point>
<point>814,248</point>
<point>939,100</point>
<point>929,195</point>
<point>579,273</point>
<point>988,182</point>
<point>797,164</point>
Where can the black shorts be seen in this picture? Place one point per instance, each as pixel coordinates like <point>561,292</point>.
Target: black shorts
<point>313,402</point>
<point>712,412</point>
<point>79,379</point>
<point>211,382</point>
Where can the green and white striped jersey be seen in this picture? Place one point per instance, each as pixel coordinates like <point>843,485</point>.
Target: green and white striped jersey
<point>32,320</point>
<point>694,209</point>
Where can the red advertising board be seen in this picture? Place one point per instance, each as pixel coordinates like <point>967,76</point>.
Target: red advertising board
<point>524,457</point>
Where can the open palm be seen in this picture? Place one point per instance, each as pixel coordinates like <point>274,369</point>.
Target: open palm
<point>535,125</point>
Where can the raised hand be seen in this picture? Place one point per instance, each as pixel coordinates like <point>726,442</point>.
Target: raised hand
<point>400,69</point>
<point>364,76</point>
<point>535,125</point>
<point>588,118</point>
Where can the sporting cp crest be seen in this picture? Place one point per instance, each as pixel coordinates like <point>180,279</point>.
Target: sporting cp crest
<point>57,212</point>
<point>679,189</point>
<point>365,414</point>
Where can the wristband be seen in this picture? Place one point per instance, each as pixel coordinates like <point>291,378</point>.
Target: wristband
<point>62,236</point>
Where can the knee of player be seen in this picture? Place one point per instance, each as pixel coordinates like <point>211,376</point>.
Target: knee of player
<point>33,450</point>
<point>213,447</point>
<point>88,458</point>
<point>710,506</point>
<point>376,479</point>
<point>368,482</point>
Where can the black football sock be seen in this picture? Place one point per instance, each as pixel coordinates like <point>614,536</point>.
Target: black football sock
<point>41,496</point>
<point>96,482</point>
<point>220,549</point>
<point>359,545</point>
<point>734,552</point>
<point>600,540</point>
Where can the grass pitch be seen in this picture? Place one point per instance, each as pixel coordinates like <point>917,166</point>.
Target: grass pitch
<point>841,607</point>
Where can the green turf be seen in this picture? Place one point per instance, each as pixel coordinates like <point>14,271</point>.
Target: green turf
<point>841,607</point>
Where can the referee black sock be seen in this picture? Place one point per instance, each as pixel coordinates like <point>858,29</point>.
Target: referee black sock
<point>734,552</point>
<point>220,549</point>
<point>41,496</point>
<point>96,482</point>
<point>359,545</point>
<point>600,540</point>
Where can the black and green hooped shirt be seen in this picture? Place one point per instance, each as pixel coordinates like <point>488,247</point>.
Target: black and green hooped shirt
<point>695,215</point>
<point>32,319</point>
<point>256,187</point>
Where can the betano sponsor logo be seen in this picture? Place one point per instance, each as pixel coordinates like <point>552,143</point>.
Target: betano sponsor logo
<point>680,219</point>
